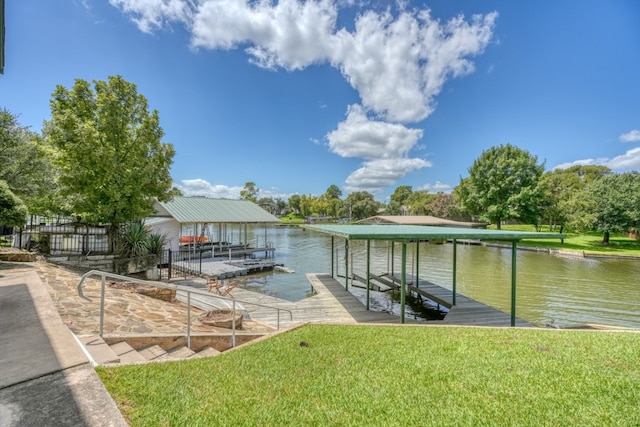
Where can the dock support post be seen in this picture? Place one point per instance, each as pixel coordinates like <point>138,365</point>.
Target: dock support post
<point>332,259</point>
<point>417,284</point>
<point>368,269</point>
<point>346,264</point>
<point>403,284</point>
<point>455,266</point>
<point>513,282</point>
<point>393,247</point>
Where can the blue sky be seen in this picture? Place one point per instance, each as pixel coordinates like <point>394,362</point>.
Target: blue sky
<point>367,95</point>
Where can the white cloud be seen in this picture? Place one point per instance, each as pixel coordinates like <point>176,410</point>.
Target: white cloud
<point>438,187</point>
<point>358,136</point>
<point>384,146</point>
<point>627,161</point>
<point>375,175</point>
<point>150,15</point>
<point>398,63</point>
<point>200,187</point>
<point>632,136</point>
<point>288,34</point>
<point>624,162</point>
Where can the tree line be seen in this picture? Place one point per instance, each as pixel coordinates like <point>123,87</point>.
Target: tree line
<point>505,184</point>
<point>101,158</point>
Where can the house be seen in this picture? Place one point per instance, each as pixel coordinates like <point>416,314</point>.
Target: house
<point>196,221</point>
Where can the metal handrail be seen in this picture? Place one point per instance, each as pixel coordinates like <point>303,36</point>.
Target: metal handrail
<point>187,289</point>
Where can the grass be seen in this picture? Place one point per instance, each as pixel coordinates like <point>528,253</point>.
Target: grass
<point>394,376</point>
<point>589,243</point>
<point>292,218</point>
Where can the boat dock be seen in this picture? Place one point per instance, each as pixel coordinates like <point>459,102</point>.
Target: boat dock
<point>215,268</point>
<point>332,303</point>
<point>467,311</point>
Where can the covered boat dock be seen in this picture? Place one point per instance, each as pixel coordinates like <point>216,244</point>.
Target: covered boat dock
<point>413,234</point>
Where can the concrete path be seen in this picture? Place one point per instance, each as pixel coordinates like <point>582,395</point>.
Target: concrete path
<point>45,377</point>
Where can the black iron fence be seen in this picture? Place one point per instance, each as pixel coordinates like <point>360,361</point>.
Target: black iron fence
<point>62,239</point>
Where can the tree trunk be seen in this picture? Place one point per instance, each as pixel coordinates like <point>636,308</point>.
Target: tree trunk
<point>605,239</point>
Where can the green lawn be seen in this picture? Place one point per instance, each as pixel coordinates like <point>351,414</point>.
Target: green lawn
<point>394,376</point>
<point>292,218</point>
<point>589,243</point>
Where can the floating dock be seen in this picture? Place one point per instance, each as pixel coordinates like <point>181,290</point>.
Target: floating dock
<point>217,269</point>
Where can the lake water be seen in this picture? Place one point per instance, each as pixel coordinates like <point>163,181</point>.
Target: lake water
<point>550,289</point>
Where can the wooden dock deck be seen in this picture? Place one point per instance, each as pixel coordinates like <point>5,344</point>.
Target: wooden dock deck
<point>467,311</point>
<point>334,304</point>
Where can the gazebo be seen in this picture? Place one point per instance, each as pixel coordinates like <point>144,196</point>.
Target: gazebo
<point>406,234</point>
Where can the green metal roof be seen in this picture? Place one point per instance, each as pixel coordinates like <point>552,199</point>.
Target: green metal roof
<point>419,232</point>
<point>188,210</point>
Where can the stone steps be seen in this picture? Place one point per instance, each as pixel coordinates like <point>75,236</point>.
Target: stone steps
<point>122,353</point>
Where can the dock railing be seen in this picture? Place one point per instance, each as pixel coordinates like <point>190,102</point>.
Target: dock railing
<point>186,289</point>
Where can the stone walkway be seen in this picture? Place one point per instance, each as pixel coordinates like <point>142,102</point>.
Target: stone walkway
<point>126,312</point>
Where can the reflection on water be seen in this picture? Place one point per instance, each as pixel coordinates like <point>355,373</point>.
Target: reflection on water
<point>549,288</point>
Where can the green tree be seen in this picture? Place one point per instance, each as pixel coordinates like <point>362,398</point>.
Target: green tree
<point>359,205</point>
<point>306,205</point>
<point>250,192</point>
<point>397,200</point>
<point>333,192</point>
<point>12,210</point>
<point>25,164</point>
<point>445,205</point>
<point>616,203</point>
<point>503,183</point>
<point>565,200</point>
<point>110,152</point>
<point>294,202</point>
<point>418,202</point>
<point>281,205</point>
<point>320,206</point>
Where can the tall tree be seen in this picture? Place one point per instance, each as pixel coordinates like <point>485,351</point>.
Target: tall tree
<point>418,202</point>
<point>250,192</point>
<point>25,164</point>
<point>503,183</point>
<point>12,210</point>
<point>333,192</point>
<point>110,152</point>
<point>294,202</point>
<point>445,205</point>
<point>565,201</point>
<point>397,200</point>
<point>359,205</point>
<point>616,203</point>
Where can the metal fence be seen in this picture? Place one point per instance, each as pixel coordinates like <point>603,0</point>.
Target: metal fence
<point>62,239</point>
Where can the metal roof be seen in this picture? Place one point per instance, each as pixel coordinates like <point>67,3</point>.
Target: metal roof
<point>188,210</point>
<point>418,232</point>
<point>419,220</point>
